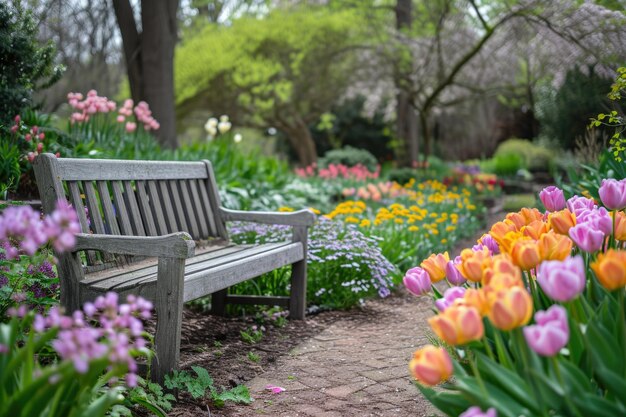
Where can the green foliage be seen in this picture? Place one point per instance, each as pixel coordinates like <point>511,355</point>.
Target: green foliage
<point>534,157</point>
<point>507,164</point>
<point>253,357</point>
<point>614,119</point>
<point>350,157</point>
<point>25,65</point>
<point>198,385</point>
<point>147,395</point>
<point>10,170</point>
<point>252,335</point>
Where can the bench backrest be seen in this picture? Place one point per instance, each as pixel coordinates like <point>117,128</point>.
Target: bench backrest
<point>139,198</point>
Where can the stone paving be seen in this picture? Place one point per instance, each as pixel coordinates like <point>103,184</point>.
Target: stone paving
<point>355,367</point>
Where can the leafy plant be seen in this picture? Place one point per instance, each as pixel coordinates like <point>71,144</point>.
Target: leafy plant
<point>148,395</point>
<point>252,335</point>
<point>349,157</point>
<point>253,357</point>
<point>198,385</point>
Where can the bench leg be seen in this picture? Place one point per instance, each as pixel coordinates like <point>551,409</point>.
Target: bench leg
<point>218,302</point>
<point>169,308</point>
<point>297,298</point>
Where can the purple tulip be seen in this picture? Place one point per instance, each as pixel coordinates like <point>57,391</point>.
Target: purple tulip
<point>613,194</point>
<point>417,281</point>
<point>551,332</point>
<point>552,198</point>
<point>562,280</point>
<point>449,296</point>
<point>598,219</point>
<point>586,238</point>
<point>475,411</point>
<point>490,243</point>
<point>577,204</point>
<point>453,274</point>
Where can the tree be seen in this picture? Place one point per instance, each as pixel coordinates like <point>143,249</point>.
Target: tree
<point>149,56</point>
<point>284,70</point>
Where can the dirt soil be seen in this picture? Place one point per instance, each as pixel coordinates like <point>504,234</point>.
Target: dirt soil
<point>336,363</point>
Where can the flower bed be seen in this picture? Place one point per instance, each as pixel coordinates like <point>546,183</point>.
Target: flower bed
<point>533,320</point>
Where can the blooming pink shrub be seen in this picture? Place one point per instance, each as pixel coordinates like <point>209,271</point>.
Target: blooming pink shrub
<point>358,172</point>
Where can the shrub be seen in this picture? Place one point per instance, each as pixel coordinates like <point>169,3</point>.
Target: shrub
<point>534,157</point>
<point>349,157</point>
<point>507,164</point>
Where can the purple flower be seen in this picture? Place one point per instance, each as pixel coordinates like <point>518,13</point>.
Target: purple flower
<point>562,280</point>
<point>47,269</point>
<point>613,194</point>
<point>598,219</point>
<point>577,204</point>
<point>3,348</point>
<point>489,242</point>
<point>475,411</point>
<point>550,334</point>
<point>417,281</point>
<point>449,296</point>
<point>586,237</point>
<point>453,274</point>
<point>552,198</point>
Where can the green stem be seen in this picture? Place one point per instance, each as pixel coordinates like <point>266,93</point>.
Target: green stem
<point>488,348</point>
<point>472,361</point>
<point>503,354</point>
<point>557,371</point>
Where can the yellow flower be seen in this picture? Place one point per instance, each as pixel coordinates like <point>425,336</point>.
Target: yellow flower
<point>365,223</point>
<point>413,229</point>
<point>285,209</point>
<point>398,220</point>
<point>314,210</point>
<point>351,219</point>
<point>444,241</point>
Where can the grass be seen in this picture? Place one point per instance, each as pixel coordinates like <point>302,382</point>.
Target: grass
<point>515,202</point>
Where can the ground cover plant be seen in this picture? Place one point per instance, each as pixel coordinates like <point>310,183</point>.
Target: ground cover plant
<point>533,321</point>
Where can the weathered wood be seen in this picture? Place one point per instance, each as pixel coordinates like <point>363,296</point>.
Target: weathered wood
<point>107,208</point>
<point>131,203</point>
<point>187,209</point>
<point>218,302</point>
<point>296,218</point>
<point>71,169</point>
<point>95,215</point>
<point>169,308</point>
<point>77,203</point>
<point>168,210</point>
<point>120,209</point>
<point>199,212</point>
<point>280,301</point>
<point>206,207</point>
<point>297,300</point>
<point>178,207</point>
<point>214,199</point>
<point>176,245</point>
<point>155,203</point>
<point>144,208</point>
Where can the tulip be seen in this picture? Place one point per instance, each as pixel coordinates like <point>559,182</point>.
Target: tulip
<point>473,263</point>
<point>613,194</point>
<point>551,332</point>
<point>535,229</point>
<point>562,221</point>
<point>489,242</point>
<point>562,280</point>
<point>453,275</point>
<point>475,298</point>
<point>507,242</point>
<point>457,325</point>
<point>502,272</point>
<point>620,225</point>
<point>525,254</point>
<point>435,265</point>
<point>530,215</point>
<point>517,219</point>
<point>577,204</point>
<point>500,229</point>
<point>597,219</point>
<point>449,296</point>
<point>131,127</point>
<point>477,412</point>
<point>586,238</point>
<point>417,281</point>
<point>553,246</point>
<point>552,198</point>
<point>510,308</point>
<point>610,269</point>
<point>431,365</point>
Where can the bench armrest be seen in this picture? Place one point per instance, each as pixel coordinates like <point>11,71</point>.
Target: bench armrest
<point>176,245</point>
<point>296,218</point>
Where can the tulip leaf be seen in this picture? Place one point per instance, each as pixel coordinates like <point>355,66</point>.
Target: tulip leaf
<point>548,390</point>
<point>614,383</point>
<point>592,405</point>
<point>451,403</point>
<point>576,342</point>
<point>604,349</point>
<point>575,380</point>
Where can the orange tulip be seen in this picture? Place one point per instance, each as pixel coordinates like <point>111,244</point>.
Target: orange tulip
<point>509,239</point>
<point>457,325</point>
<point>535,229</point>
<point>517,219</point>
<point>473,263</point>
<point>474,298</point>
<point>610,268</point>
<point>501,266</point>
<point>620,225</point>
<point>554,247</point>
<point>530,215</point>
<point>500,229</point>
<point>431,365</point>
<point>510,308</point>
<point>562,221</point>
<point>525,254</point>
<point>435,265</point>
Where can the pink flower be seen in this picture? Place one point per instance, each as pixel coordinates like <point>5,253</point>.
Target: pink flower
<point>131,127</point>
<point>597,219</point>
<point>586,238</point>
<point>550,334</point>
<point>477,412</point>
<point>128,103</point>
<point>120,119</point>
<point>552,198</point>
<point>28,137</point>
<point>613,194</point>
<point>453,275</point>
<point>417,281</point>
<point>577,204</point>
<point>562,280</point>
<point>449,296</point>
<point>275,389</point>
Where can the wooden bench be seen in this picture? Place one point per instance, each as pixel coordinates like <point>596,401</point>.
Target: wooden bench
<point>157,229</point>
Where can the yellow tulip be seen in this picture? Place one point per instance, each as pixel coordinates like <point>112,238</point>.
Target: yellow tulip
<point>562,221</point>
<point>554,247</point>
<point>431,365</point>
<point>510,308</point>
<point>473,263</point>
<point>457,325</point>
<point>525,254</point>
<point>435,265</point>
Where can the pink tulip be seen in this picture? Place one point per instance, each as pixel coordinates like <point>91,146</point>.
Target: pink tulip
<point>131,127</point>
<point>586,238</point>
<point>550,334</point>
<point>477,412</point>
<point>449,296</point>
<point>417,281</point>
<point>577,204</point>
<point>552,198</point>
<point>120,119</point>
<point>453,275</point>
<point>597,219</point>
<point>613,194</point>
<point>562,280</point>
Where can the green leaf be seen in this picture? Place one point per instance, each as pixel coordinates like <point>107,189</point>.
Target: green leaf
<point>592,405</point>
<point>451,403</point>
<point>605,351</point>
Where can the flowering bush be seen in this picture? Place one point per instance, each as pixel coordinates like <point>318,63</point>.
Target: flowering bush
<point>534,322</point>
<point>472,178</point>
<point>357,172</point>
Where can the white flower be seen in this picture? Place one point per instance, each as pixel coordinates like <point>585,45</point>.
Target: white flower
<point>223,118</point>
<point>237,138</point>
<point>93,152</point>
<point>210,124</point>
<point>212,131</point>
<point>223,126</point>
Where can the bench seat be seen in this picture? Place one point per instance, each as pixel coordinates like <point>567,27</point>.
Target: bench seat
<point>212,269</point>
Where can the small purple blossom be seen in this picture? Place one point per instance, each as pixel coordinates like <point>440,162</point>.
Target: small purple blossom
<point>449,296</point>
<point>453,275</point>
<point>476,411</point>
<point>417,281</point>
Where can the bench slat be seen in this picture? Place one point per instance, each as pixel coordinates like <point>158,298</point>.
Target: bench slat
<point>131,204</point>
<point>94,214</point>
<point>155,203</point>
<point>178,206</point>
<point>77,202</point>
<point>144,208</point>
<point>206,207</point>
<point>168,210</point>
<point>121,211</point>
<point>199,211</point>
<point>188,211</point>
<point>73,169</point>
<point>214,198</point>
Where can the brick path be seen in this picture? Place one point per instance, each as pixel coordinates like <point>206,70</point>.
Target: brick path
<point>355,367</point>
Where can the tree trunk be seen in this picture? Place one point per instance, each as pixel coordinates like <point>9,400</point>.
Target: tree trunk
<point>149,59</point>
<point>158,39</point>
<point>302,141</point>
<point>425,128</point>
